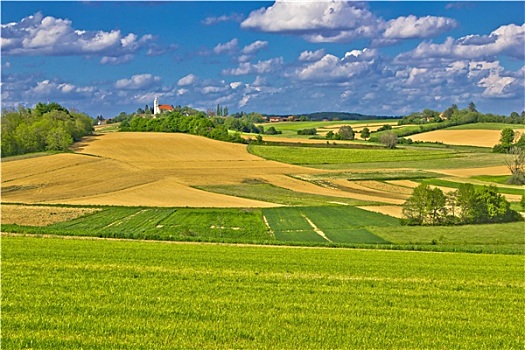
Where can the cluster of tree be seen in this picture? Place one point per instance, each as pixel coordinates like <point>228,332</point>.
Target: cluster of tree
<point>467,205</point>
<point>455,116</point>
<point>270,131</point>
<point>345,132</point>
<point>508,140</point>
<point>309,131</point>
<point>47,127</point>
<point>221,111</point>
<point>197,124</point>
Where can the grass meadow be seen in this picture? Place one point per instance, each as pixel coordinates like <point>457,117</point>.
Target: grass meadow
<point>155,295</point>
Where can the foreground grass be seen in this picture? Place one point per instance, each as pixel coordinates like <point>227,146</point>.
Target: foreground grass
<point>59,293</point>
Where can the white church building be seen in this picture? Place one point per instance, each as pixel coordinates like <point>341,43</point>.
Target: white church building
<point>159,109</point>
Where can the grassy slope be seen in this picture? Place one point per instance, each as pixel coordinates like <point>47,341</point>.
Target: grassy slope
<point>133,295</point>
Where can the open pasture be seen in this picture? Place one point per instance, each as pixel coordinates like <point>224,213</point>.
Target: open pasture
<point>98,294</point>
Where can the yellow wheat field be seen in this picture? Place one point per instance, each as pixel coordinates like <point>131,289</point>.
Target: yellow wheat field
<point>153,169</point>
<point>481,138</point>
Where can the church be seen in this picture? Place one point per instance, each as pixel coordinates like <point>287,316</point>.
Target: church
<point>159,109</point>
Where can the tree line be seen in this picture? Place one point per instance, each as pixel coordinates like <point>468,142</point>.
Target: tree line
<point>46,127</point>
<point>467,205</point>
<point>197,124</point>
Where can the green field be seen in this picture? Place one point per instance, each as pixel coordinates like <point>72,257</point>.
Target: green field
<point>337,156</point>
<point>339,224</point>
<point>486,126</point>
<point>65,294</point>
<point>343,226</point>
<point>455,184</point>
<point>279,195</point>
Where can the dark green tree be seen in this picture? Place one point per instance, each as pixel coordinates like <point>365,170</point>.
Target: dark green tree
<point>346,133</point>
<point>365,133</point>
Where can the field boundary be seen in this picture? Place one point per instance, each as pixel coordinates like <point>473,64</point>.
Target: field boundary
<point>316,229</point>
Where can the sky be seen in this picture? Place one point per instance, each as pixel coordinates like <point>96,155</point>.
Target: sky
<point>284,57</point>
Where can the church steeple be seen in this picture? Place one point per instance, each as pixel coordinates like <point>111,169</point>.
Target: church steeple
<point>156,109</point>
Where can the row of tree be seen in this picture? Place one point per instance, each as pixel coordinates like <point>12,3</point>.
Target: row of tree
<point>46,127</point>
<point>467,205</point>
<point>197,124</point>
<point>455,116</point>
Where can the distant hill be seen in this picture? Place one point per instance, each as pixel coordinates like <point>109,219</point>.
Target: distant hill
<point>341,116</point>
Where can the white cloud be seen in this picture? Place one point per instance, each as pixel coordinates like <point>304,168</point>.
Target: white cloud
<point>261,67</point>
<point>332,68</point>
<point>136,82</point>
<point>495,85</point>
<point>39,35</point>
<point>254,47</point>
<point>228,47</point>
<point>413,27</point>
<point>341,21</point>
<point>234,85</point>
<point>189,79</point>
<point>115,60</point>
<point>309,56</point>
<point>507,40</point>
<point>234,17</point>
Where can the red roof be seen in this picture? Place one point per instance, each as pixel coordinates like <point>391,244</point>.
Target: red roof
<point>166,108</point>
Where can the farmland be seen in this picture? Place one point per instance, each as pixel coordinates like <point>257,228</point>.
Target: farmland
<point>266,260</point>
<point>158,295</point>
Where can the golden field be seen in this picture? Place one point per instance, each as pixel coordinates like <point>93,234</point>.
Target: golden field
<point>162,170</point>
<point>481,138</point>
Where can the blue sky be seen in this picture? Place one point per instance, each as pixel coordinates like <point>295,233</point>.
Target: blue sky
<point>384,58</point>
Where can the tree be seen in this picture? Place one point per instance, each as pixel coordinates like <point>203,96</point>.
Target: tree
<point>365,133</point>
<point>515,162</point>
<point>346,133</point>
<point>330,135</point>
<point>425,206</point>
<point>389,139</point>
<point>472,107</point>
<point>225,112</point>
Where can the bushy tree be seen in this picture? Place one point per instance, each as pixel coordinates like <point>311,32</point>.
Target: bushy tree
<point>467,205</point>
<point>425,206</point>
<point>515,162</point>
<point>389,139</point>
<point>365,133</point>
<point>345,133</point>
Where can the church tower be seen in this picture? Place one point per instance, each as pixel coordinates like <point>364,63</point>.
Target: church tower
<point>156,109</point>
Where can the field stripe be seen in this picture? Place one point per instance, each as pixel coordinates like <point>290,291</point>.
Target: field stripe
<point>272,233</point>
<point>316,229</point>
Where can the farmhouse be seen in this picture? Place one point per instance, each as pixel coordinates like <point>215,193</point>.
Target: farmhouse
<point>159,109</point>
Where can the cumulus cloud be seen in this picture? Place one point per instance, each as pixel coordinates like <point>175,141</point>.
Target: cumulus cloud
<point>136,82</point>
<point>333,68</point>
<point>254,47</point>
<point>507,40</point>
<point>309,56</point>
<point>261,67</point>
<point>50,36</point>
<point>413,27</point>
<point>341,21</point>
<point>189,79</point>
<point>228,47</point>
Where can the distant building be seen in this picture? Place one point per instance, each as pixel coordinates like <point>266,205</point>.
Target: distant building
<point>159,109</point>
